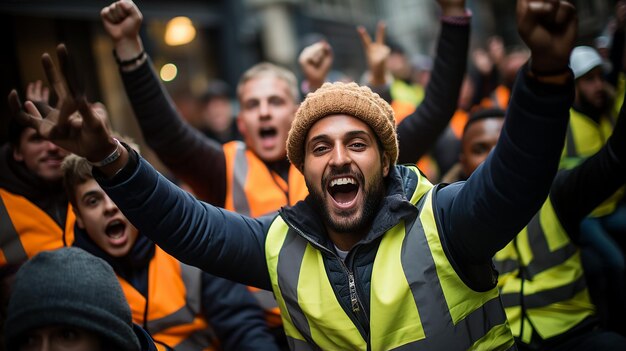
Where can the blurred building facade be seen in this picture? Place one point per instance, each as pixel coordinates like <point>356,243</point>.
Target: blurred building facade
<point>232,35</point>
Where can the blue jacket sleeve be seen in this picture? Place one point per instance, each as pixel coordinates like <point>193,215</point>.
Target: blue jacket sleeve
<point>217,241</point>
<point>191,156</point>
<point>235,315</point>
<point>480,216</point>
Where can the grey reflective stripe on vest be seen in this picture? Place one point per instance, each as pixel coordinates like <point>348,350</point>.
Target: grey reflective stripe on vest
<point>300,345</point>
<point>547,297</point>
<point>10,242</point>
<point>192,278</point>
<point>543,258</point>
<point>428,297</point>
<point>494,98</point>
<point>570,143</point>
<point>506,266</point>
<point>289,263</point>
<point>240,174</point>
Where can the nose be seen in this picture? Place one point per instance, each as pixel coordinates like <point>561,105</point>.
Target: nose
<point>340,156</point>
<point>264,110</point>
<point>109,206</point>
<point>52,147</point>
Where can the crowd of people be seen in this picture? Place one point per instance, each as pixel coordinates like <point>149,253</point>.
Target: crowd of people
<point>472,201</point>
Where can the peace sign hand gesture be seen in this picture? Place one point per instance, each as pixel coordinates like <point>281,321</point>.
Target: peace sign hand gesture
<point>71,124</point>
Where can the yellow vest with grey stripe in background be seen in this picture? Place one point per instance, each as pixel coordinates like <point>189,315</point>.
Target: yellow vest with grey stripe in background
<point>541,271</point>
<point>417,300</point>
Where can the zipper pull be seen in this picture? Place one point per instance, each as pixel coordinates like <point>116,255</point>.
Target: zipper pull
<point>353,296</point>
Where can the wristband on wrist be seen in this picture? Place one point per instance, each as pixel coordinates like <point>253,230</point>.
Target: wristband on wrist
<point>128,62</point>
<point>111,158</point>
<point>458,20</point>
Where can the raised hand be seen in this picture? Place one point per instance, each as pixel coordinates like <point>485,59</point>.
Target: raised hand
<point>549,28</point>
<point>71,124</point>
<point>376,53</point>
<point>37,92</point>
<point>122,21</point>
<point>315,61</point>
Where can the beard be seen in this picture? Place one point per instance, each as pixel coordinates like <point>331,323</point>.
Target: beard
<point>350,221</point>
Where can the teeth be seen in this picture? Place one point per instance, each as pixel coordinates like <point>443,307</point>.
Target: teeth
<point>342,181</point>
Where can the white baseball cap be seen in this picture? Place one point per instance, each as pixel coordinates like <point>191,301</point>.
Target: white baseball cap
<point>583,59</point>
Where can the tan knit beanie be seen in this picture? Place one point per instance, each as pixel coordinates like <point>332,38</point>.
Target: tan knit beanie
<point>343,98</point>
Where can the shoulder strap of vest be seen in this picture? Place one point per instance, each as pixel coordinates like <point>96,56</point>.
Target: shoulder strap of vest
<point>240,173</point>
<point>10,243</point>
<point>416,184</point>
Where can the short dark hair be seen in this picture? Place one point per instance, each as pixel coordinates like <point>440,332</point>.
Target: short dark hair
<point>481,114</point>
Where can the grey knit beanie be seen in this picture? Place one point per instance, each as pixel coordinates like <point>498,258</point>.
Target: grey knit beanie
<point>343,98</point>
<point>69,287</point>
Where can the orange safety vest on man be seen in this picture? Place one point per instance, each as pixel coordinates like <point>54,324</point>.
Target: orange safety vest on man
<point>254,190</point>
<point>173,309</point>
<point>26,229</point>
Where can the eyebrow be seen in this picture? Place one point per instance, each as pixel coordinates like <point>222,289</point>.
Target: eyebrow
<point>90,193</point>
<point>348,135</point>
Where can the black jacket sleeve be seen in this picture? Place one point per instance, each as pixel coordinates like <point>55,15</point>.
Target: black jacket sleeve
<point>577,191</point>
<point>235,315</point>
<point>191,156</point>
<point>480,216</point>
<point>418,132</point>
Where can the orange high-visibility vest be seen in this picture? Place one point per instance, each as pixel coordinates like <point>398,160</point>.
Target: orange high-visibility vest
<point>174,305</point>
<point>254,190</point>
<point>25,229</point>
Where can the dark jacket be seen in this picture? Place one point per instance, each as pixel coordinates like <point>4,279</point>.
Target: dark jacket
<point>476,218</point>
<point>229,308</point>
<point>145,341</point>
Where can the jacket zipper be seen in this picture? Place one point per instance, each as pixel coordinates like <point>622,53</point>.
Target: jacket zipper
<point>355,302</point>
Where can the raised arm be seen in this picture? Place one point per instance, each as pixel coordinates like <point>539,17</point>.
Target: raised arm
<point>191,156</point>
<point>220,242</point>
<point>315,62</point>
<point>418,132</point>
<point>577,191</point>
<point>483,214</point>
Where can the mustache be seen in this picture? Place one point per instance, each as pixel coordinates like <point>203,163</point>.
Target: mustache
<point>342,171</point>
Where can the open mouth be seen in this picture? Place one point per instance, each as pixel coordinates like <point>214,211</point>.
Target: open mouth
<point>343,190</point>
<point>115,229</point>
<point>267,132</point>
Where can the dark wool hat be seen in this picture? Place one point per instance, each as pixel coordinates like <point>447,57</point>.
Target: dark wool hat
<point>69,287</point>
<point>343,98</point>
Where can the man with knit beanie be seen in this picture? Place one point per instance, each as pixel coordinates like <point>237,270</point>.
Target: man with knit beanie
<point>376,257</point>
<point>69,298</point>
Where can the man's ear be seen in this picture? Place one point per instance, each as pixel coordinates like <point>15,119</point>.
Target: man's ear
<point>386,164</point>
<point>79,219</point>
<point>17,154</point>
